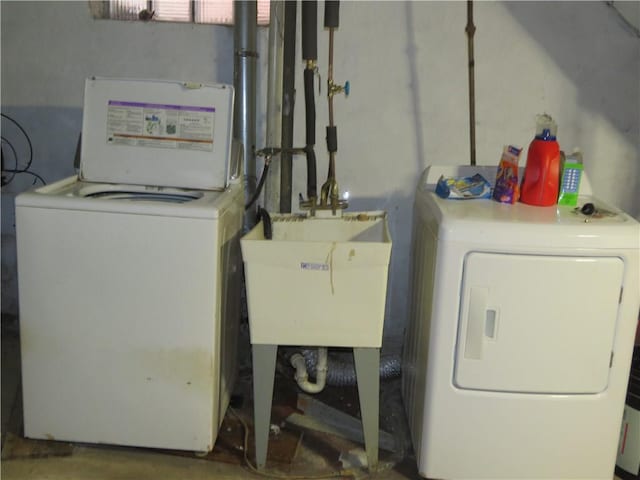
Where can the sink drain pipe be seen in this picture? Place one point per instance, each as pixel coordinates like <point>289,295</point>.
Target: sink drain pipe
<point>302,378</point>
<point>341,372</point>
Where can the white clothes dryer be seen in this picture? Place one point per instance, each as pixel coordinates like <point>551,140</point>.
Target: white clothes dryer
<point>520,335</point>
<point>130,273</point>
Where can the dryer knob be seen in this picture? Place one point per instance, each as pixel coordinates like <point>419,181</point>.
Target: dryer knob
<point>588,209</point>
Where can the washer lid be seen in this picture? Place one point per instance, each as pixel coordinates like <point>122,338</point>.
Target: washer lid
<point>153,132</point>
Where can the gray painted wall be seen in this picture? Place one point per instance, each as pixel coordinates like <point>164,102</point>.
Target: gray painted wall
<point>408,108</point>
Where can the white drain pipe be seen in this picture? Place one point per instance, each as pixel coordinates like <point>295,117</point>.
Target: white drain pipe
<point>302,378</point>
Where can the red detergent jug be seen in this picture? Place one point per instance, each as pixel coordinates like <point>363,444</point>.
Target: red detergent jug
<point>541,178</point>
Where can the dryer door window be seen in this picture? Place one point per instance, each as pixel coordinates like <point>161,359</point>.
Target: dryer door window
<point>537,324</point>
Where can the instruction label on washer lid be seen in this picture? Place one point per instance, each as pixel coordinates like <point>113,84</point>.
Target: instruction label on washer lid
<point>157,125</point>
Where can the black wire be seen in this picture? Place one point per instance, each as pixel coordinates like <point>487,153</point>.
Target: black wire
<point>13,150</point>
<point>17,170</point>
<point>38,177</point>
<point>15,158</point>
<point>29,172</point>
<point>25,136</point>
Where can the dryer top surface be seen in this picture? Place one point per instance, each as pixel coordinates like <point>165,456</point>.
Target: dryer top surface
<point>485,220</point>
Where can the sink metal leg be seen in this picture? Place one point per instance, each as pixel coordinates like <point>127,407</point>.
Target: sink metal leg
<point>367,362</point>
<point>264,367</point>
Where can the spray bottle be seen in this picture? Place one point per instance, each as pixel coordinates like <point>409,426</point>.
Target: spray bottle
<point>541,175</point>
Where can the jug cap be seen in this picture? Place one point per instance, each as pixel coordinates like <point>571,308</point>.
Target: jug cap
<point>546,127</point>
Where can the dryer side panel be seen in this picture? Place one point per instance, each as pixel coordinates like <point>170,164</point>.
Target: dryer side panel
<point>416,345</point>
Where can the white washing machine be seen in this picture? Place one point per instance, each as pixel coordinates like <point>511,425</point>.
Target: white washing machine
<point>520,336</point>
<point>130,273</point>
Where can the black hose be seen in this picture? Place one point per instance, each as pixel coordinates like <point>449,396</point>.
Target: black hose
<point>266,223</point>
<point>331,14</point>
<point>332,139</point>
<point>288,104</point>
<point>312,182</point>
<point>309,30</point>
<point>256,194</point>
<point>310,107</point>
<point>310,130</point>
<point>310,54</point>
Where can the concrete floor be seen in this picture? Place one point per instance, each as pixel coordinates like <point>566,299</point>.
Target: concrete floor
<point>317,453</point>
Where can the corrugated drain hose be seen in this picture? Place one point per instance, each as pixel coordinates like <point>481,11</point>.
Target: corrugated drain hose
<point>341,370</point>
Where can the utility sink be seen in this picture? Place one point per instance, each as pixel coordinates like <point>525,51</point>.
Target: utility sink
<point>318,281</point>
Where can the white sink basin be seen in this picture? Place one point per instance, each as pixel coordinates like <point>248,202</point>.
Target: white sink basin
<point>319,281</point>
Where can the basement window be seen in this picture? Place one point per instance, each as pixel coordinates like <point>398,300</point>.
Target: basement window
<point>219,12</point>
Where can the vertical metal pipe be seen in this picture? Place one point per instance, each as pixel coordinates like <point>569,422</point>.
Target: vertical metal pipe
<point>288,103</point>
<point>471,30</point>
<point>329,192</point>
<point>310,55</point>
<point>244,124</point>
<point>309,21</point>
<point>332,155</point>
<point>274,102</point>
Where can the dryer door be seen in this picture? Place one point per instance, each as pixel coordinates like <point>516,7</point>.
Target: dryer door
<point>537,324</point>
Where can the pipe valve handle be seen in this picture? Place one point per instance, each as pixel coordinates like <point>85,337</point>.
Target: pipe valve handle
<point>347,87</point>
